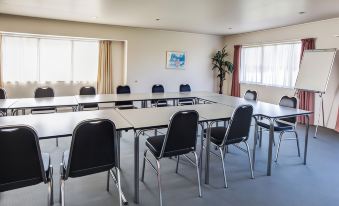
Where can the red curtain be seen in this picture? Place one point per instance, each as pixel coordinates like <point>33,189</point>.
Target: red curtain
<point>235,89</point>
<point>337,124</point>
<point>306,98</point>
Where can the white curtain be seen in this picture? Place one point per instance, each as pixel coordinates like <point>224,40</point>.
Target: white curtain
<point>272,65</point>
<point>36,59</point>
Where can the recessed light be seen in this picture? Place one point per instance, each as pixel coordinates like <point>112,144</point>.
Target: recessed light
<point>94,17</point>
<point>230,28</point>
<point>157,19</point>
<point>337,35</point>
<point>302,12</point>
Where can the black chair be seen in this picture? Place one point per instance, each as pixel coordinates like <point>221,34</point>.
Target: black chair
<point>158,88</point>
<point>185,101</point>
<point>284,125</point>
<point>88,90</point>
<point>236,132</point>
<point>22,163</point>
<point>42,92</point>
<point>251,95</point>
<point>3,112</point>
<point>180,139</point>
<point>94,149</point>
<point>124,104</point>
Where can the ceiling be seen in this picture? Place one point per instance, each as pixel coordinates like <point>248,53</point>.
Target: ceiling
<point>220,17</point>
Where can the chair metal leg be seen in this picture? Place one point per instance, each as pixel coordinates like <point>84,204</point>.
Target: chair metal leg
<point>198,171</point>
<point>297,139</point>
<point>279,144</point>
<point>119,186</point>
<point>176,169</point>
<point>108,177</point>
<point>143,166</point>
<point>159,181</point>
<point>50,189</point>
<point>249,159</point>
<point>57,142</point>
<point>260,136</point>
<point>223,166</point>
<point>62,192</point>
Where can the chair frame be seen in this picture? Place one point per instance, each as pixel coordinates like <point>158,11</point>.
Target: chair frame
<point>252,92</point>
<point>281,134</point>
<point>157,159</point>
<point>110,173</point>
<point>223,148</point>
<point>46,180</point>
<point>82,107</point>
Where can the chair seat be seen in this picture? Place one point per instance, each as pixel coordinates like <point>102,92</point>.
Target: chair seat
<point>218,135</point>
<point>90,106</point>
<point>44,110</point>
<point>83,172</point>
<point>278,126</point>
<point>155,143</point>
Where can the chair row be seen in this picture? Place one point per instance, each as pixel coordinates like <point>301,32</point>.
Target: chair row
<point>24,165</point>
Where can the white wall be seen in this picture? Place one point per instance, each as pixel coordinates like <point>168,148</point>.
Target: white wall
<point>146,50</point>
<point>323,31</point>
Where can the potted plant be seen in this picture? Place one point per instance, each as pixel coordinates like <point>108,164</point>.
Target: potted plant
<point>222,65</point>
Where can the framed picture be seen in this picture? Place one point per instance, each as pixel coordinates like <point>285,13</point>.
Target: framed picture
<point>175,60</point>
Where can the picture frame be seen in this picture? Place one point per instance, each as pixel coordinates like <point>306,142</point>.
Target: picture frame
<point>175,60</point>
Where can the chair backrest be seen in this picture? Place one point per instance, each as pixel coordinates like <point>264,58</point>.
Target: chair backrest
<point>239,125</point>
<point>123,89</point>
<point>181,136</point>
<point>250,95</point>
<point>184,88</point>
<point>93,148</point>
<point>87,90</point>
<point>158,88</point>
<point>2,93</point>
<point>291,102</point>
<point>43,92</point>
<point>20,158</point>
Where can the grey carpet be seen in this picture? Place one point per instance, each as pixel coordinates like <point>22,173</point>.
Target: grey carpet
<point>291,183</point>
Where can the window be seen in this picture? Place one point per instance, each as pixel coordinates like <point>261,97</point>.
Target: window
<point>272,65</point>
<point>36,59</point>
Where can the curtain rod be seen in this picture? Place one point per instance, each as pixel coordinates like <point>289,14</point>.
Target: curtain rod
<point>273,42</point>
<point>47,36</point>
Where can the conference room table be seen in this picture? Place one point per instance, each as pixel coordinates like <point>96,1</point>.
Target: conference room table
<point>45,102</point>
<point>142,97</point>
<point>262,110</point>
<point>159,117</point>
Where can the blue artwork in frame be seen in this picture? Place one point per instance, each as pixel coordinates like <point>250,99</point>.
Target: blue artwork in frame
<point>175,60</point>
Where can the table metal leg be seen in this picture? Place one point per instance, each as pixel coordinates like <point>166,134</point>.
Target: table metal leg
<point>201,148</point>
<point>270,147</point>
<point>306,136</point>
<point>208,142</point>
<point>136,166</point>
<point>255,140</point>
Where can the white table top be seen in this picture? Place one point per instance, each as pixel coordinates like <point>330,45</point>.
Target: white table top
<point>62,124</point>
<point>260,108</point>
<point>146,118</point>
<point>6,103</point>
<point>25,103</point>
<point>108,98</point>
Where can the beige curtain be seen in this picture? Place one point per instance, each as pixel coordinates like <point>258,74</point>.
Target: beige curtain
<point>1,76</point>
<point>105,70</point>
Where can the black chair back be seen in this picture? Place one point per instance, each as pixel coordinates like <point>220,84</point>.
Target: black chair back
<point>158,88</point>
<point>87,90</point>
<point>93,148</point>
<point>123,90</point>
<point>291,102</point>
<point>239,125</point>
<point>184,88</point>
<point>250,95</point>
<point>181,136</point>
<point>2,93</point>
<point>20,158</point>
<point>41,92</point>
